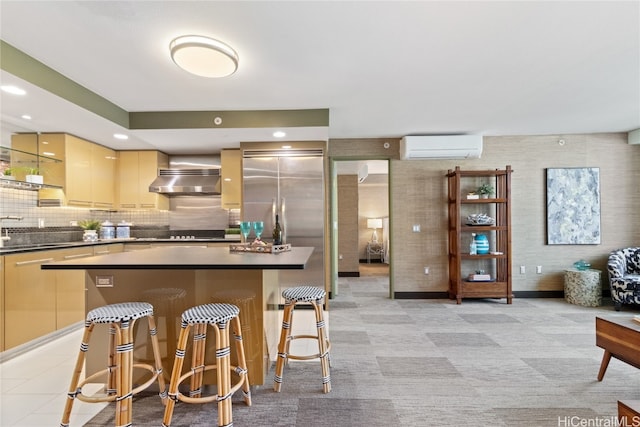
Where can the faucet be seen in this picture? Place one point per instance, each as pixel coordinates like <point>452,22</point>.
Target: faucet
<point>6,237</point>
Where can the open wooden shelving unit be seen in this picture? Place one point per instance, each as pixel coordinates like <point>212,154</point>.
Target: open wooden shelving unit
<point>498,262</point>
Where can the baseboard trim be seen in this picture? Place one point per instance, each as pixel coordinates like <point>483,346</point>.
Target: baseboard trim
<point>445,295</point>
<point>38,342</point>
<point>420,295</point>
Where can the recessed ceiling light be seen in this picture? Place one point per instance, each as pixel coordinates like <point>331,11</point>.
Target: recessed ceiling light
<point>26,117</point>
<point>279,134</point>
<point>286,147</point>
<point>49,153</point>
<point>203,56</point>
<point>120,136</point>
<point>14,90</point>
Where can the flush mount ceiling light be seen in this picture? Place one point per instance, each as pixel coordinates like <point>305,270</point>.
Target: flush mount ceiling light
<point>203,56</point>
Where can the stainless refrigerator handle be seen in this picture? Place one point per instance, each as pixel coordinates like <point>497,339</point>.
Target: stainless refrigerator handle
<point>274,210</point>
<point>283,219</point>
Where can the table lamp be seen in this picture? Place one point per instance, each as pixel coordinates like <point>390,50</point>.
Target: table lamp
<point>374,223</point>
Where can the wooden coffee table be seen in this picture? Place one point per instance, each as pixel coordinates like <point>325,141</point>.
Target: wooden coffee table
<point>619,336</point>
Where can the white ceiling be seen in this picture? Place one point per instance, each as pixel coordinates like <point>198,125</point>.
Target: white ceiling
<point>383,69</point>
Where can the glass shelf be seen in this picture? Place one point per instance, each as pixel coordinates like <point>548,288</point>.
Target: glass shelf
<point>23,185</point>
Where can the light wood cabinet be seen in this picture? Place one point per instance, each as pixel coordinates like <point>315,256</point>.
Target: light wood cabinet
<point>136,171</point>
<point>495,261</point>
<point>231,162</point>
<point>37,302</point>
<point>78,172</point>
<point>70,288</point>
<point>30,297</point>
<point>103,177</point>
<point>2,311</point>
<point>85,171</point>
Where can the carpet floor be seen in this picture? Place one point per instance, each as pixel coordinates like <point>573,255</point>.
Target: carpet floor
<point>435,363</point>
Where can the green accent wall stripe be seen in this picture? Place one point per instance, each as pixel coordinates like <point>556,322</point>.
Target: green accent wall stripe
<point>21,65</point>
<point>229,119</point>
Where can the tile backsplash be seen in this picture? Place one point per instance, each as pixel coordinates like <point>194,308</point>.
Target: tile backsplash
<point>24,203</point>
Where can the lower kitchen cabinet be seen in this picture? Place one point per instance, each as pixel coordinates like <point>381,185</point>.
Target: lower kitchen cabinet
<point>70,288</point>
<point>1,303</point>
<point>38,302</point>
<point>30,297</point>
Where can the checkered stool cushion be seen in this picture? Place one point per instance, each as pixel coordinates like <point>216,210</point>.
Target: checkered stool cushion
<point>303,293</point>
<point>210,313</point>
<point>124,311</point>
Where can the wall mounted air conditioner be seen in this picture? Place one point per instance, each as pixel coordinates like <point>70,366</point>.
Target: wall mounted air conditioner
<point>422,147</point>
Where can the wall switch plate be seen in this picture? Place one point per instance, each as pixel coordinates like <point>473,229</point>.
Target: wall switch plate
<point>426,270</point>
<point>539,269</point>
<point>523,270</point>
<point>416,228</point>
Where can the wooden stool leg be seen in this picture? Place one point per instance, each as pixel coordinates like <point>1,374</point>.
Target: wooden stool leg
<point>323,347</point>
<point>223,364</point>
<point>112,382</point>
<point>242,361</point>
<point>124,351</point>
<point>283,345</point>
<point>176,373</point>
<point>197,358</point>
<point>75,378</point>
<point>153,332</point>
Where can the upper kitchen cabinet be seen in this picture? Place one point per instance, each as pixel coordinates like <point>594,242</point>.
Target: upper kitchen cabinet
<point>136,170</point>
<point>103,165</point>
<point>231,162</point>
<point>86,173</point>
<point>28,159</point>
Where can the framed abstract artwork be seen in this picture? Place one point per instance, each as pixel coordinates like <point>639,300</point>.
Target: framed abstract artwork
<point>573,206</point>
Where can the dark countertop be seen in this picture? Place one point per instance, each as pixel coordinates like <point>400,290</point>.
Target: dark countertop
<point>188,258</point>
<point>8,250</point>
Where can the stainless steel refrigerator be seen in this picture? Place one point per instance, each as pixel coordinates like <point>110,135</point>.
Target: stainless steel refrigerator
<point>293,188</point>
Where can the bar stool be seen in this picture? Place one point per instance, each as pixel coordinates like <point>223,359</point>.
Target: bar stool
<point>121,318</point>
<point>293,296</point>
<point>168,304</point>
<point>252,329</point>
<point>219,316</point>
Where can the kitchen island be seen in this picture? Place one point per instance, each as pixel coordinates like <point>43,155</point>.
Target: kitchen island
<point>176,278</point>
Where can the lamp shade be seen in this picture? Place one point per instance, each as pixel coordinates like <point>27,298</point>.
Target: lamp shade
<point>374,223</point>
<point>203,56</point>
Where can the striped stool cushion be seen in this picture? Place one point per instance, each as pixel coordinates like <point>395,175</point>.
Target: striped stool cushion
<point>123,311</point>
<point>303,293</point>
<point>210,313</point>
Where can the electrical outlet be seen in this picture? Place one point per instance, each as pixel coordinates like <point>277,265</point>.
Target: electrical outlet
<point>523,270</point>
<point>426,270</point>
<point>340,256</point>
<point>416,228</point>
<point>539,269</point>
<point>104,281</point>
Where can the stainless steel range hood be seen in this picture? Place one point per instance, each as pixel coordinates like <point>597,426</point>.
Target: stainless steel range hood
<point>187,181</point>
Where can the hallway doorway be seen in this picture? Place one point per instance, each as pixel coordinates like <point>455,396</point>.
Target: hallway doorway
<point>360,198</point>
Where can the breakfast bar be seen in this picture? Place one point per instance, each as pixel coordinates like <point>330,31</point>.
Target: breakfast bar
<point>176,278</point>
